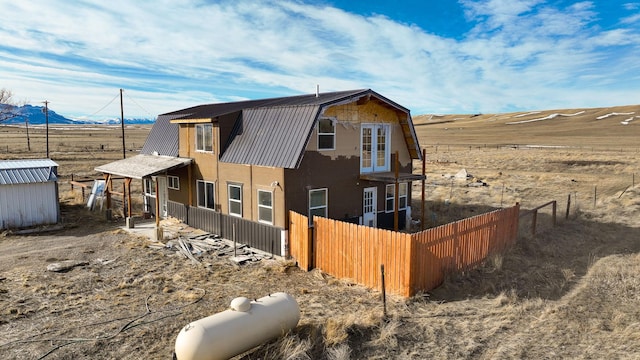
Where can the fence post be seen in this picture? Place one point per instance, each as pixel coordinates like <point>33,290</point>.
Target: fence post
<point>534,219</point>
<point>595,195</point>
<point>384,293</point>
<point>568,206</point>
<point>554,212</point>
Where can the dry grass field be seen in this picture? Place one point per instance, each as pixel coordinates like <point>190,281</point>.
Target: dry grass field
<point>569,291</point>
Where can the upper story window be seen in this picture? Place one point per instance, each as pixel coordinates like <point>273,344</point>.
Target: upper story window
<point>375,148</point>
<point>326,134</point>
<point>204,137</point>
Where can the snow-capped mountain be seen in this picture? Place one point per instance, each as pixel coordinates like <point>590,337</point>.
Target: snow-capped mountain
<point>36,115</point>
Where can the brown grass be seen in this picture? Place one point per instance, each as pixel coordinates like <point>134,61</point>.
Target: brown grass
<point>570,291</point>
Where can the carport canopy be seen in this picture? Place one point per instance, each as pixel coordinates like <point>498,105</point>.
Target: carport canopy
<point>141,166</point>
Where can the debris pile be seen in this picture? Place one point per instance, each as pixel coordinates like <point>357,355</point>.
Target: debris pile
<point>194,247</point>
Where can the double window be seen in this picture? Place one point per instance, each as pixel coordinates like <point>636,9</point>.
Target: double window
<point>265,206</point>
<point>206,194</point>
<point>204,137</point>
<point>375,146</point>
<point>173,182</point>
<point>390,197</point>
<point>235,199</point>
<point>326,134</point>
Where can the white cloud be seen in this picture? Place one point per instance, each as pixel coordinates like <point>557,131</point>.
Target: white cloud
<point>168,54</point>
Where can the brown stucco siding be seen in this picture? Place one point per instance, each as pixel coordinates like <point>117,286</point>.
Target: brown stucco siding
<point>182,195</point>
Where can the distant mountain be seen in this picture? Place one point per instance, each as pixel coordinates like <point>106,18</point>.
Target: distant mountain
<point>36,116</point>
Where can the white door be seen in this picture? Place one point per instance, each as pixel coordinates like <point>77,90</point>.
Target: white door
<point>370,206</point>
<point>162,195</point>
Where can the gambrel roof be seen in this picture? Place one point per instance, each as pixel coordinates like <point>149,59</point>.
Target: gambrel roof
<point>273,132</point>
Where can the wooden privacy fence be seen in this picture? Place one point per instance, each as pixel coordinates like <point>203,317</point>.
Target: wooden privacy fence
<point>413,262</point>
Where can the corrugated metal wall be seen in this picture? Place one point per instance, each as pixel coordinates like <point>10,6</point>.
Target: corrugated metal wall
<point>25,205</point>
<point>260,236</point>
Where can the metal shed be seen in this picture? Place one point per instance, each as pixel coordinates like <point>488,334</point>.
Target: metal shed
<point>28,193</point>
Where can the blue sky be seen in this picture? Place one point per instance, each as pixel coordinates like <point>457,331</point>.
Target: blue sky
<point>432,56</point>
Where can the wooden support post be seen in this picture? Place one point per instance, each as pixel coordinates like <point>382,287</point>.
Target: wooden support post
<point>424,178</point>
<point>157,204</point>
<point>568,206</point>
<point>124,200</point>
<point>553,207</point>
<point>71,182</point>
<point>396,197</point>
<point>127,182</point>
<point>534,220</point>
<point>107,189</point>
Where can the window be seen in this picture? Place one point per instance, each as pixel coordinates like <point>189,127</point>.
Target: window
<point>206,194</point>
<point>402,199</point>
<point>390,198</point>
<point>326,134</point>
<point>149,187</point>
<point>204,137</point>
<point>235,200</point>
<point>317,203</point>
<point>375,154</point>
<point>173,182</point>
<point>265,206</point>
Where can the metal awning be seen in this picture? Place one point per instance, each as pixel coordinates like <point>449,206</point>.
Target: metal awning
<point>141,166</point>
<point>390,177</point>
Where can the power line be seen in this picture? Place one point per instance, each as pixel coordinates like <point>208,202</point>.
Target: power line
<point>104,107</point>
<point>143,109</point>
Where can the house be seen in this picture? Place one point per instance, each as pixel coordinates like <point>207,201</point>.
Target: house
<point>342,155</point>
<point>28,193</point>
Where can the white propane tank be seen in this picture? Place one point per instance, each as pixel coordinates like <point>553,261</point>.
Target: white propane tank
<point>231,332</point>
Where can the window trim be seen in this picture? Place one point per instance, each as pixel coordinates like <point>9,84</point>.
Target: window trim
<point>325,206</point>
<point>170,184</point>
<point>387,197</point>
<point>236,201</point>
<point>204,146</point>
<point>332,134</point>
<point>270,192</point>
<point>213,185</point>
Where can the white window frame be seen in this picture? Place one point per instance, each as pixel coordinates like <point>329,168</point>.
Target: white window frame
<point>327,134</point>
<point>173,182</point>
<point>374,166</point>
<point>325,206</point>
<point>205,197</point>
<point>235,201</point>
<point>202,140</point>
<point>390,190</point>
<point>261,206</point>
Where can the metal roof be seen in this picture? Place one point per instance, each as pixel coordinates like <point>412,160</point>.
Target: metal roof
<point>274,136</point>
<point>163,138</point>
<point>213,110</point>
<point>13,172</point>
<point>143,165</point>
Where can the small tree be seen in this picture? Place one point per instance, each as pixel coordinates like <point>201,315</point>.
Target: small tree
<point>9,109</point>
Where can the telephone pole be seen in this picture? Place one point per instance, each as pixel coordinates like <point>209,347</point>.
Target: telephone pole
<point>46,117</point>
<point>124,153</point>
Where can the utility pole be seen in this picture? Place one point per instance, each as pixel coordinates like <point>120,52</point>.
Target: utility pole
<point>26,123</point>
<point>124,153</point>
<point>46,116</point>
